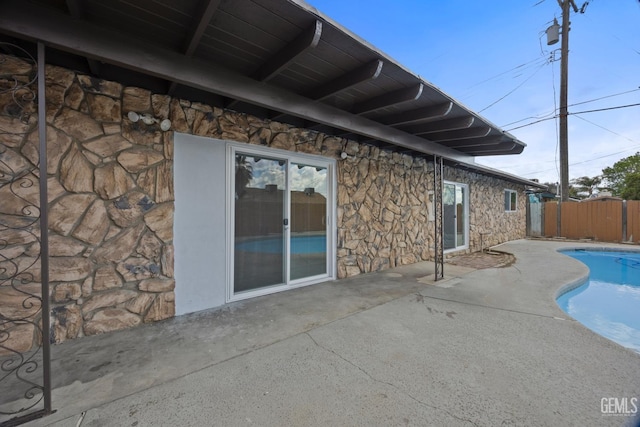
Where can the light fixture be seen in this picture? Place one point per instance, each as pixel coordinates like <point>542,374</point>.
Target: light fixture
<point>344,155</point>
<point>148,119</point>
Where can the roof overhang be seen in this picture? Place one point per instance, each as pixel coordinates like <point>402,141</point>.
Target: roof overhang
<point>276,59</point>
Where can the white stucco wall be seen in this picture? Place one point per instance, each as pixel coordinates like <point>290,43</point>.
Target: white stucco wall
<point>199,223</point>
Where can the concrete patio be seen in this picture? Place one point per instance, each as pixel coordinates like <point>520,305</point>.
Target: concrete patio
<point>484,347</point>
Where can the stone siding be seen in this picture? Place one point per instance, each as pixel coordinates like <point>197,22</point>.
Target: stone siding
<point>487,213</point>
<point>111,196</point>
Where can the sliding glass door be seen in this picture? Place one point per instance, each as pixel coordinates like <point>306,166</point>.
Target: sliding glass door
<point>259,204</point>
<point>455,200</point>
<point>308,233</point>
<point>282,217</point>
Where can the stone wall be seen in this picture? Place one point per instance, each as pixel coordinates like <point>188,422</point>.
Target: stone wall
<point>111,196</point>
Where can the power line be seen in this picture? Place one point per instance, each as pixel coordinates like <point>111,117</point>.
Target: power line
<point>608,130</point>
<point>604,97</point>
<point>525,64</point>
<point>606,109</point>
<point>555,116</point>
<point>514,89</point>
<point>621,41</point>
<point>584,161</point>
<point>604,154</point>
<point>575,114</point>
<point>547,115</point>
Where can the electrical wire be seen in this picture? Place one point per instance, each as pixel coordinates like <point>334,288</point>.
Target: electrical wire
<point>577,113</point>
<point>603,156</point>
<point>608,130</point>
<point>604,97</point>
<point>605,109</point>
<point>514,89</point>
<point>532,62</point>
<point>621,41</point>
<point>549,115</point>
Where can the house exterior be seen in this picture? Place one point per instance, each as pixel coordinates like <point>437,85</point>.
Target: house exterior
<point>296,153</point>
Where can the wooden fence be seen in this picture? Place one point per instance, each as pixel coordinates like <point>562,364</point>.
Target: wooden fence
<point>604,221</point>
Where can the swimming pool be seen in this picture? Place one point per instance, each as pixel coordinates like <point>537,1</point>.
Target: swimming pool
<point>609,302</point>
<point>274,245</point>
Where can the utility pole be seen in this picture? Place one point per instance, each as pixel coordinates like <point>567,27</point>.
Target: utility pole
<point>552,38</point>
<point>564,78</point>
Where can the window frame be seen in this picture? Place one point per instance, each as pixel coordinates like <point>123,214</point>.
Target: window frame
<point>512,204</point>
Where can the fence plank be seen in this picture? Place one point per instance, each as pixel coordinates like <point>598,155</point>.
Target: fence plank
<point>601,221</point>
<point>633,221</point>
<point>551,219</point>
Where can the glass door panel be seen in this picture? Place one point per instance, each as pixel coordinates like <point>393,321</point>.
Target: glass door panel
<point>454,201</point>
<point>259,246</point>
<point>460,217</point>
<point>449,216</point>
<point>308,232</point>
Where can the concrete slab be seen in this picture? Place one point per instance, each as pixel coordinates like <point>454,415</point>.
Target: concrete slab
<point>485,347</point>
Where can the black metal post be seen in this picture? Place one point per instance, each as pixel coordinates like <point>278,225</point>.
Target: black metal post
<point>44,232</point>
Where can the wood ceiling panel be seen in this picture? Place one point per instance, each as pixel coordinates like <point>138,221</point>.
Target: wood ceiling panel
<point>138,23</point>
<point>230,60</point>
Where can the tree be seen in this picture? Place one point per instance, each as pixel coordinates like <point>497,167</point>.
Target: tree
<point>244,174</point>
<point>616,176</point>
<point>587,185</point>
<point>631,190</point>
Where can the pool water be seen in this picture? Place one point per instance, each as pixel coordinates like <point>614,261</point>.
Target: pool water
<point>609,303</point>
<point>299,245</point>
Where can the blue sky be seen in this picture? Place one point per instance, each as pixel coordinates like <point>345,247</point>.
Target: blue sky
<point>480,51</point>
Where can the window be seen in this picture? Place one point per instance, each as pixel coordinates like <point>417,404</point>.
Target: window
<point>510,200</point>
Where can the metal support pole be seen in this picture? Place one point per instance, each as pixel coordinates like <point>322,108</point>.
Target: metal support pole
<point>438,211</point>
<point>44,232</point>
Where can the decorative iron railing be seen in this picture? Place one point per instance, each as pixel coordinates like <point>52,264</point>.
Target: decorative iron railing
<point>22,338</point>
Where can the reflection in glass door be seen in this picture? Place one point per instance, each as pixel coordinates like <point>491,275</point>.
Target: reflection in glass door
<point>308,233</point>
<point>455,201</point>
<point>259,218</point>
<point>281,210</point>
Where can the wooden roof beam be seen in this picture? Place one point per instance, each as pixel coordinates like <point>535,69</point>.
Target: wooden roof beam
<point>440,126</point>
<point>199,25</point>
<point>308,39</point>
<point>30,21</point>
<point>389,99</point>
<point>76,10</point>
<point>455,135</point>
<point>432,112</point>
<point>365,73</point>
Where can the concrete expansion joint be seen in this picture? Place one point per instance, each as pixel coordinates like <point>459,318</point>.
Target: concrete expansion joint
<point>395,387</point>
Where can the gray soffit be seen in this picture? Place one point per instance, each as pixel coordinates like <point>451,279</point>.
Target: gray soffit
<point>276,59</point>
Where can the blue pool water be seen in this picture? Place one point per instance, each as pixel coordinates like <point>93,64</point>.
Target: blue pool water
<point>609,303</point>
<point>299,245</point>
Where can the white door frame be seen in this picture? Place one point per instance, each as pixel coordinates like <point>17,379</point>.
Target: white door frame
<point>465,206</point>
<point>290,157</point>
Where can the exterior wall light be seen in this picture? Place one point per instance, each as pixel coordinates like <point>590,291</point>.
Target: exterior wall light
<point>148,119</point>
